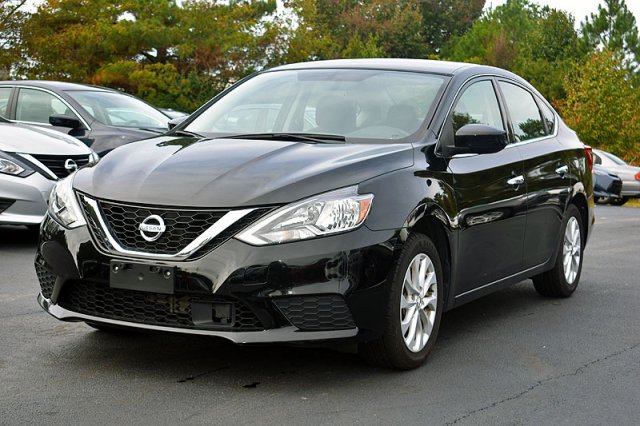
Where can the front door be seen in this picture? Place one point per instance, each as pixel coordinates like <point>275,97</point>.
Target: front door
<point>491,196</point>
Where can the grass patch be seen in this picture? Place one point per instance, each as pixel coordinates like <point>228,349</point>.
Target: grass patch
<point>634,202</point>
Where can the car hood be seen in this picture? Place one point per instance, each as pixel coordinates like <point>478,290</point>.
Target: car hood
<point>25,139</point>
<point>234,172</point>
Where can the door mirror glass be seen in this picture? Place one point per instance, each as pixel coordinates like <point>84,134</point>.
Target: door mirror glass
<point>61,120</point>
<point>479,139</point>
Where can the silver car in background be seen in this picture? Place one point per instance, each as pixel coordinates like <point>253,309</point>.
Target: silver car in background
<point>630,175</point>
<point>32,159</point>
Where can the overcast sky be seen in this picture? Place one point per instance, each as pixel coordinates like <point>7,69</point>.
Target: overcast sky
<point>578,8</point>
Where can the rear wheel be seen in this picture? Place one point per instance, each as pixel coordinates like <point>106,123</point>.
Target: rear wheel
<point>414,308</point>
<point>562,280</point>
<point>619,201</point>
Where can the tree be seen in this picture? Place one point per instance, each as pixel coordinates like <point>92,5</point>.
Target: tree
<point>329,29</point>
<point>613,28</point>
<point>11,19</point>
<point>177,54</point>
<point>601,105</point>
<point>446,18</point>
<point>538,43</point>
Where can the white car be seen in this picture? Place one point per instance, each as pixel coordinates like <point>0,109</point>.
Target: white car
<point>630,175</point>
<point>32,159</point>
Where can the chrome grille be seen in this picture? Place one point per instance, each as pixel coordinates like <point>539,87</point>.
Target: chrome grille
<point>183,226</point>
<point>55,163</point>
<point>189,233</point>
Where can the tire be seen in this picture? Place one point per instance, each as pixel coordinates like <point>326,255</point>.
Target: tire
<point>563,279</point>
<point>619,201</point>
<point>419,311</point>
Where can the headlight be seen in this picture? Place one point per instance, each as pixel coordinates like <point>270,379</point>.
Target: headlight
<point>11,165</point>
<point>93,158</point>
<point>337,211</point>
<point>63,205</point>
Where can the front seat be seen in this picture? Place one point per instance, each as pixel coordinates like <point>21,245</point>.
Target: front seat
<point>335,115</point>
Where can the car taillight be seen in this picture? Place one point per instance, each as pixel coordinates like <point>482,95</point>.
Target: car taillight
<point>637,176</point>
<point>589,152</point>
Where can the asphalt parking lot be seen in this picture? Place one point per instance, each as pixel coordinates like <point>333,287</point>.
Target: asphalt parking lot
<point>509,358</point>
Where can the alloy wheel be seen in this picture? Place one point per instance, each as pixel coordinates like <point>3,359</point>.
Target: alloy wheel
<point>571,250</point>
<point>418,302</point>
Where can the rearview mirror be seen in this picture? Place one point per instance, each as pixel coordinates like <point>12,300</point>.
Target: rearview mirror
<point>61,120</point>
<point>479,139</point>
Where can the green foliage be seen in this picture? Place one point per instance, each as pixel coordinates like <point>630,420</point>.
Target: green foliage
<point>540,44</point>
<point>149,47</point>
<point>12,18</point>
<point>446,18</point>
<point>601,105</point>
<point>614,28</point>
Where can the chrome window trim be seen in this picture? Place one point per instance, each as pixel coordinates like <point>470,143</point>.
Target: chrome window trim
<point>213,231</point>
<point>511,81</point>
<point>82,120</point>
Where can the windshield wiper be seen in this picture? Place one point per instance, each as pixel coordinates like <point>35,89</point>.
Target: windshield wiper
<point>186,133</point>
<point>296,137</point>
<point>153,130</point>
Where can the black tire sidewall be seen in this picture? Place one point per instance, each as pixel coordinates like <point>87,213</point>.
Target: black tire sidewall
<point>567,289</point>
<point>415,245</point>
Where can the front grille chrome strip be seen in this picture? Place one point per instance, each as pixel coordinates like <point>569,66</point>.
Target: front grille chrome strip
<point>223,223</point>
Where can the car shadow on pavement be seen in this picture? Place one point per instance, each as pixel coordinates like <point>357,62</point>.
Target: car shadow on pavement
<point>17,237</point>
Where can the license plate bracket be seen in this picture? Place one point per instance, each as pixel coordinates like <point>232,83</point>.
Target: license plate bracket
<point>142,277</point>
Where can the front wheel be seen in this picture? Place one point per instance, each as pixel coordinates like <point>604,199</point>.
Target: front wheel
<point>414,309</point>
<point>619,201</point>
<point>562,280</point>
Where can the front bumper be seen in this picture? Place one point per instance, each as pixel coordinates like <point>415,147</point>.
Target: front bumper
<point>24,200</point>
<point>328,288</point>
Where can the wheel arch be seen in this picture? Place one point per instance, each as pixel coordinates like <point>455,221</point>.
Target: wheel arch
<point>580,201</point>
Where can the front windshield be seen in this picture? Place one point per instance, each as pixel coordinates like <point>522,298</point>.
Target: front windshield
<point>116,109</point>
<point>356,104</point>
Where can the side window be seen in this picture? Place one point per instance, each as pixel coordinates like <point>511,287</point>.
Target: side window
<point>5,93</point>
<point>524,112</point>
<point>36,106</point>
<point>477,105</point>
<point>549,117</point>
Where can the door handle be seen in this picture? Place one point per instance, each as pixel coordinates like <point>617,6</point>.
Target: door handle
<point>562,170</point>
<point>516,180</point>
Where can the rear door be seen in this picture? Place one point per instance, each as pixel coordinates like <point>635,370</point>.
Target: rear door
<point>546,170</point>
<point>491,205</point>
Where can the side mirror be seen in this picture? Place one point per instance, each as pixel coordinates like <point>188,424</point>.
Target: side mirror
<point>175,121</point>
<point>61,120</point>
<point>479,139</point>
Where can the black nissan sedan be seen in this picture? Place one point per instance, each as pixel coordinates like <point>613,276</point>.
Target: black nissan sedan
<point>348,199</point>
<point>102,118</point>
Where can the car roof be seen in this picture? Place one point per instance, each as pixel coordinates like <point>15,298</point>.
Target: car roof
<point>55,85</point>
<point>420,65</point>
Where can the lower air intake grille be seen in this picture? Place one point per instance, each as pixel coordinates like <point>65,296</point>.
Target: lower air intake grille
<point>47,279</point>
<point>5,204</point>
<point>321,312</point>
<point>99,300</point>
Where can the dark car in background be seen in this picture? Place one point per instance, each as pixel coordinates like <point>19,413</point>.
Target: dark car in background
<point>101,118</point>
<point>630,175</point>
<point>607,186</point>
<point>369,197</point>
